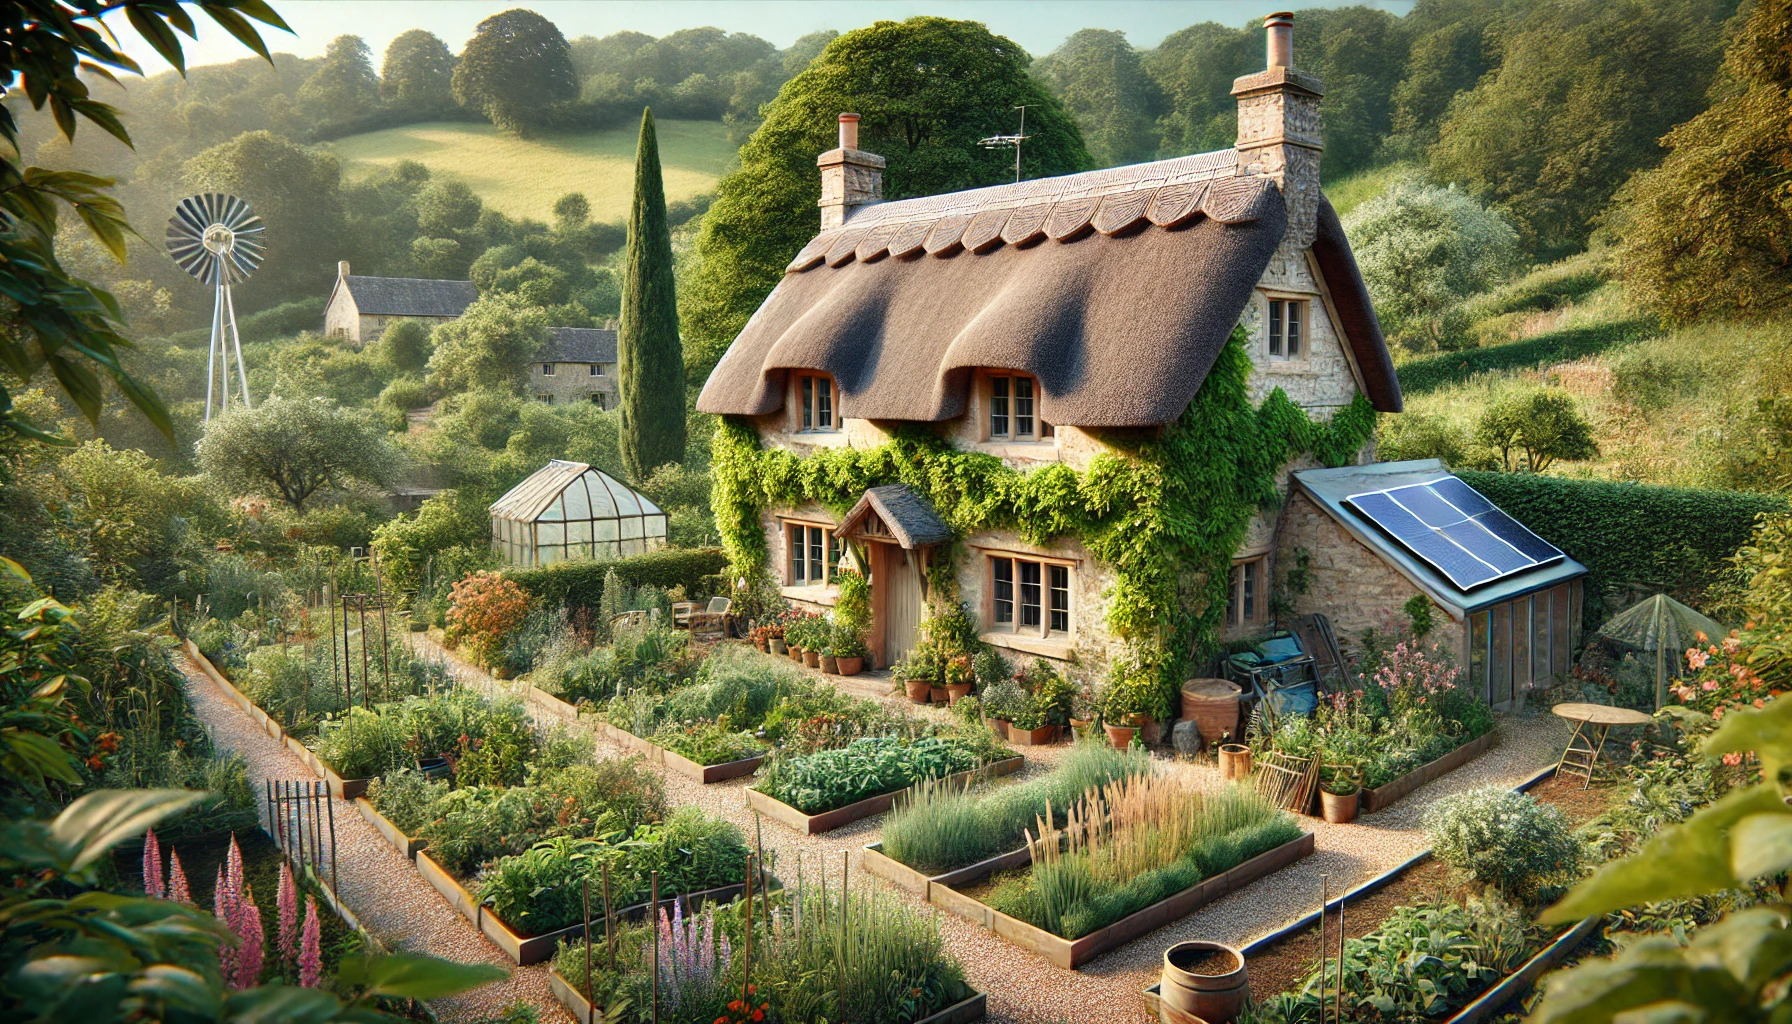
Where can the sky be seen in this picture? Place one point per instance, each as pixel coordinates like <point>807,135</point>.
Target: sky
<point>1038,25</point>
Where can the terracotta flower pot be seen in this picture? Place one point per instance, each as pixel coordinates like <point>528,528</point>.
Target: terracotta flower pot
<point>1206,980</point>
<point>1120,735</point>
<point>1081,726</point>
<point>1337,808</point>
<point>850,666</point>
<point>830,664</point>
<point>761,644</point>
<point>777,647</point>
<point>1042,736</point>
<point>1151,732</point>
<point>938,693</point>
<point>796,653</point>
<point>812,659</point>
<point>1235,760</point>
<point>919,690</point>
<point>956,692</point>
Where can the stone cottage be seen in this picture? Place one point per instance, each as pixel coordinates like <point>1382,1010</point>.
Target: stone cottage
<point>360,308</point>
<point>578,365</point>
<point>1045,323</point>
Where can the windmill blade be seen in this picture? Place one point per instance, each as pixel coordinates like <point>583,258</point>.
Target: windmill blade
<point>216,238</point>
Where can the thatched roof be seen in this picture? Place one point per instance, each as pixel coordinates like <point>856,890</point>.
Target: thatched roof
<point>410,296</point>
<point>580,345</point>
<point>910,517</point>
<point>1116,288</point>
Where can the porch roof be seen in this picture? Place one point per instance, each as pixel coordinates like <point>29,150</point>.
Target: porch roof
<point>910,517</point>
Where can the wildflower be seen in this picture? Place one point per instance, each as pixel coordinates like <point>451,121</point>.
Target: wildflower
<point>288,902</point>
<point>152,866</point>
<point>249,963</point>
<point>1718,715</point>
<point>1696,658</point>
<point>1733,759</point>
<point>310,956</point>
<point>1760,703</point>
<point>1708,685</point>
<point>1701,637</point>
<point>177,881</point>
<point>1732,644</point>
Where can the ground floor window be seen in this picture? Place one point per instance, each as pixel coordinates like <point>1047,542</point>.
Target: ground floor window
<point>1245,600</point>
<point>1029,596</point>
<point>814,554</point>
<point>1525,643</point>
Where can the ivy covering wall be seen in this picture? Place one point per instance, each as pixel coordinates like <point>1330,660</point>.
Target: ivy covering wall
<point>1165,513</point>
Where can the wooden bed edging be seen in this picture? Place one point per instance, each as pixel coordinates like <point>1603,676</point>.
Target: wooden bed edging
<point>962,1012</point>
<point>533,949</point>
<point>902,876</point>
<point>678,762</point>
<point>406,845</point>
<point>827,821</point>
<point>1515,983</point>
<point>1073,953</point>
<point>340,788</point>
<point>1381,796</point>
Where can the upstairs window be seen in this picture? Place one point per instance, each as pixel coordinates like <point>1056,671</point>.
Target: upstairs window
<point>1013,409</point>
<point>814,554</point>
<point>816,397</point>
<point>547,369</point>
<point>597,369</point>
<point>1287,325</point>
<point>1028,596</point>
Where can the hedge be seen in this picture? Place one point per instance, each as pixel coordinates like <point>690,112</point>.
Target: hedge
<point>580,584</point>
<point>282,321</point>
<point>1432,372</point>
<point>1631,536</point>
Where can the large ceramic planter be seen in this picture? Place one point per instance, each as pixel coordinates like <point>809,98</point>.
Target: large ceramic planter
<point>1339,808</point>
<point>1120,736</point>
<point>812,659</point>
<point>1205,980</point>
<point>1212,704</point>
<point>1235,760</point>
<point>956,692</point>
<point>850,666</point>
<point>830,664</point>
<point>937,694</point>
<point>919,690</point>
<point>778,647</point>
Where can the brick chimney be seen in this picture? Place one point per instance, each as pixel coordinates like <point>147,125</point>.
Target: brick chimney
<point>850,177</point>
<point>1279,130</point>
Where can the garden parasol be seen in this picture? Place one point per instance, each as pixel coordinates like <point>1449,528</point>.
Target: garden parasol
<point>1662,626</point>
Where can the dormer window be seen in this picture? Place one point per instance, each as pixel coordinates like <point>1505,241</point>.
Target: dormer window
<point>1287,325</point>
<point>815,397</point>
<point>1013,409</point>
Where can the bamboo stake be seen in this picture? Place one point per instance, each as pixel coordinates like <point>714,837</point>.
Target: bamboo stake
<point>746,974</point>
<point>586,882</point>
<point>609,920</point>
<point>1324,897</point>
<point>653,917</point>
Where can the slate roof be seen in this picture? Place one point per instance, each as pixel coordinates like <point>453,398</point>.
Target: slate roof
<point>1330,487</point>
<point>1116,288</point>
<point>910,517</point>
<point>410,296</point>
<point>580,345</point>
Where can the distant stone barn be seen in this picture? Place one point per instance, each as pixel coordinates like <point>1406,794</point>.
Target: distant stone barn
<point>360,308</point>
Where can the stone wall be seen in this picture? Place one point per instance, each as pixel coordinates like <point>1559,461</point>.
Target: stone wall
<point>573,382</point>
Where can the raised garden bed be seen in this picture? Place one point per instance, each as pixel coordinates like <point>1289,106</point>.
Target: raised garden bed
<point>1381,796</point>
<point>404,844</point>
<point>704,773</point>
<point>810,824</point>
<point>962,1012</point>
<point>533,949</point>
<point>1073,953</point>
<point>907,878</point>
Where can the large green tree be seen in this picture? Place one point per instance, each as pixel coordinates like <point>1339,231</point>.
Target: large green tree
<point>514,69</point>
<point>1100,79</point>
<point>418,71</point>
<point>649,357</point>
<point>344,84</point>
<point>489,347</point>
<point>290,448</point>
<point>1709,232</point>
<point>928,89</point>
<point>1584,90</point>
<point>1194,68</point>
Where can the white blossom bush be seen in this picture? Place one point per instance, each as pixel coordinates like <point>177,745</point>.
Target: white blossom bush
<point>1423,249</point>
<point>1521,847</point>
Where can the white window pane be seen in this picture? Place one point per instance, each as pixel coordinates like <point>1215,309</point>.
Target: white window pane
<point>550,533</point>
<point>633,547</point>
<point>554,512</point>
<point>656,526</point>
<point>603,529</point>
<point>577,501</point>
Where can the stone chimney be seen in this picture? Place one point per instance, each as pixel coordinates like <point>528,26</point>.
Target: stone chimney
<point>850,177</point>
<point>341,269</point>
<point>1279,131</point>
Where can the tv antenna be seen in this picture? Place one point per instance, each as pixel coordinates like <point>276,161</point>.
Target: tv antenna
<point>218,239</point>
<point>1006,141</point>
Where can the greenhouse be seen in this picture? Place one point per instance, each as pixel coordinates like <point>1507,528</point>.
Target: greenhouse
<point>569,510</point>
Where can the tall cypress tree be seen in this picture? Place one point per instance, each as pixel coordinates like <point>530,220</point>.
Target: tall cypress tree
<point>650,358</point>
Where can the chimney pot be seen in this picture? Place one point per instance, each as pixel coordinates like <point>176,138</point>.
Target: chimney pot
<point>1280,29</point>
<point>342,268</point>
<point>849,131</point>
<point>850,177</point>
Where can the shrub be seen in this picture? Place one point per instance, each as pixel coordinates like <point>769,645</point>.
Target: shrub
<point>405,797</point>
<point>580,584</point>
<point>485,609</point>
<point>1507,840</point>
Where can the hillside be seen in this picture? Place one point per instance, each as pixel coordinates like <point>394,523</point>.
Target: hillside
<point>523,177</point>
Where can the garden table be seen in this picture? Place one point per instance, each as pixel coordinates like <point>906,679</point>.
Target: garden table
<point>1591,723</point>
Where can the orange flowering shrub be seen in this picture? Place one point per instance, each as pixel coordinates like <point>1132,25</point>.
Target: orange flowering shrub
<point>484,609</point>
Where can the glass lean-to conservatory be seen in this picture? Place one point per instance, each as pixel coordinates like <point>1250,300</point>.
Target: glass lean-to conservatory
<point>568,510</point>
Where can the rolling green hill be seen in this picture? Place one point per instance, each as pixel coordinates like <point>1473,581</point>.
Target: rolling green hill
<point>523,177</point>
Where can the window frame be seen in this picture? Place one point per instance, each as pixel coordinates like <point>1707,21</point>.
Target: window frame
<point>811,403</point>
<point>1000,390</point>
<point>1247,599</point>
<point>547,369</point>
<point>1045,607</point>
<point>597,370</point>
<point>1280,343</point>
<point>816,536</point>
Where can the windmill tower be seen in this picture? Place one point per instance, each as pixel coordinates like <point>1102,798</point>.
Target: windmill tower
<point>218,239</point>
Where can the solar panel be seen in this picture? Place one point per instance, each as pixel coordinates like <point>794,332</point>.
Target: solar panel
<point>1456,530</point>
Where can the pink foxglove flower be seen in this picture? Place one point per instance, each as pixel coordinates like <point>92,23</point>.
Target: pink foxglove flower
<point>288,902</point>
<point>311,961</point>
<point>177,881</point>
<point>152,866</point>
<point>222,909</point>
<point>249,963</point>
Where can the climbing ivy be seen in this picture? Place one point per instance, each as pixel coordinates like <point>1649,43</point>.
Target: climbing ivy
<point>1164,511</point>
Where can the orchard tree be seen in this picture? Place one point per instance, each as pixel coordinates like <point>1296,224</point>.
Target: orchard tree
<point>1101,80</point>
<point>649,357</point>
<point>344,84</point>
<point>290,448</point>
<point>418,72</point>
<point>1541,423</point>
<point>489,347</point>
<point>927,89</point>
<point>515,67</point>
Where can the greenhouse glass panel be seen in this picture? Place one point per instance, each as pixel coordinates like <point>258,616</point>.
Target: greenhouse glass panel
<point>1521,645</point>
<point>604,529</point>
<point>1564,640</point>
<point>570,510</point>
<point>1500,678</point>
<point>1477,652</point>
<point>1540,639</point>
<point>578,532</point>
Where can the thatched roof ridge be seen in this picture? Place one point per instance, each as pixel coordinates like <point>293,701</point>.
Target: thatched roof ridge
<point>1116,288</point>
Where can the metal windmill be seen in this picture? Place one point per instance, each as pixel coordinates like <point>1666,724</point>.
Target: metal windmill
<point>1010,141</point>
<point>218,239</point>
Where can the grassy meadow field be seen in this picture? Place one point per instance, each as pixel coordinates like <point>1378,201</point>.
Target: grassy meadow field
<point>523,177</point>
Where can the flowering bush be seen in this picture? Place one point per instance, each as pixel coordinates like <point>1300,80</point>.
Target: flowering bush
<point>484,609</point>
<point>1510,841</point>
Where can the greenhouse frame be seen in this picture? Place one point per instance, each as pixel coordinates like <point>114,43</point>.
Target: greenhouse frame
<point>568,510</point>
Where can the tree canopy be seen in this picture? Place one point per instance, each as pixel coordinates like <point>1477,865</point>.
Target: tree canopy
<point>927,90</point>
<point>1101,80</point>
<point>344,82</point>
<point>490,346</point>
<point>418,71</point>
<point>290,448</point>
<point>515,68</point>
<point>649,357</point>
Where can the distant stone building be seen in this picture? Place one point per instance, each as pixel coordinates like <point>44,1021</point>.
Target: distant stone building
<point>361,307</point>
<point>579,365</point>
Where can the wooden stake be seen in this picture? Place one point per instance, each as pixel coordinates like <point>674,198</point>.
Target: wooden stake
<point>586,882</point>
<point>1340,1014</point>
<point>1324,897</point>
<point>609,920</point>
<point>746,978</point>
<point>653,919</point>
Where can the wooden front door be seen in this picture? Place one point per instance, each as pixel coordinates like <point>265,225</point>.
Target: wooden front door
<point>895,601</point>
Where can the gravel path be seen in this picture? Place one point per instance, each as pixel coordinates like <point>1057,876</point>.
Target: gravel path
<point>1027,989</point>
<point>383,889</point>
